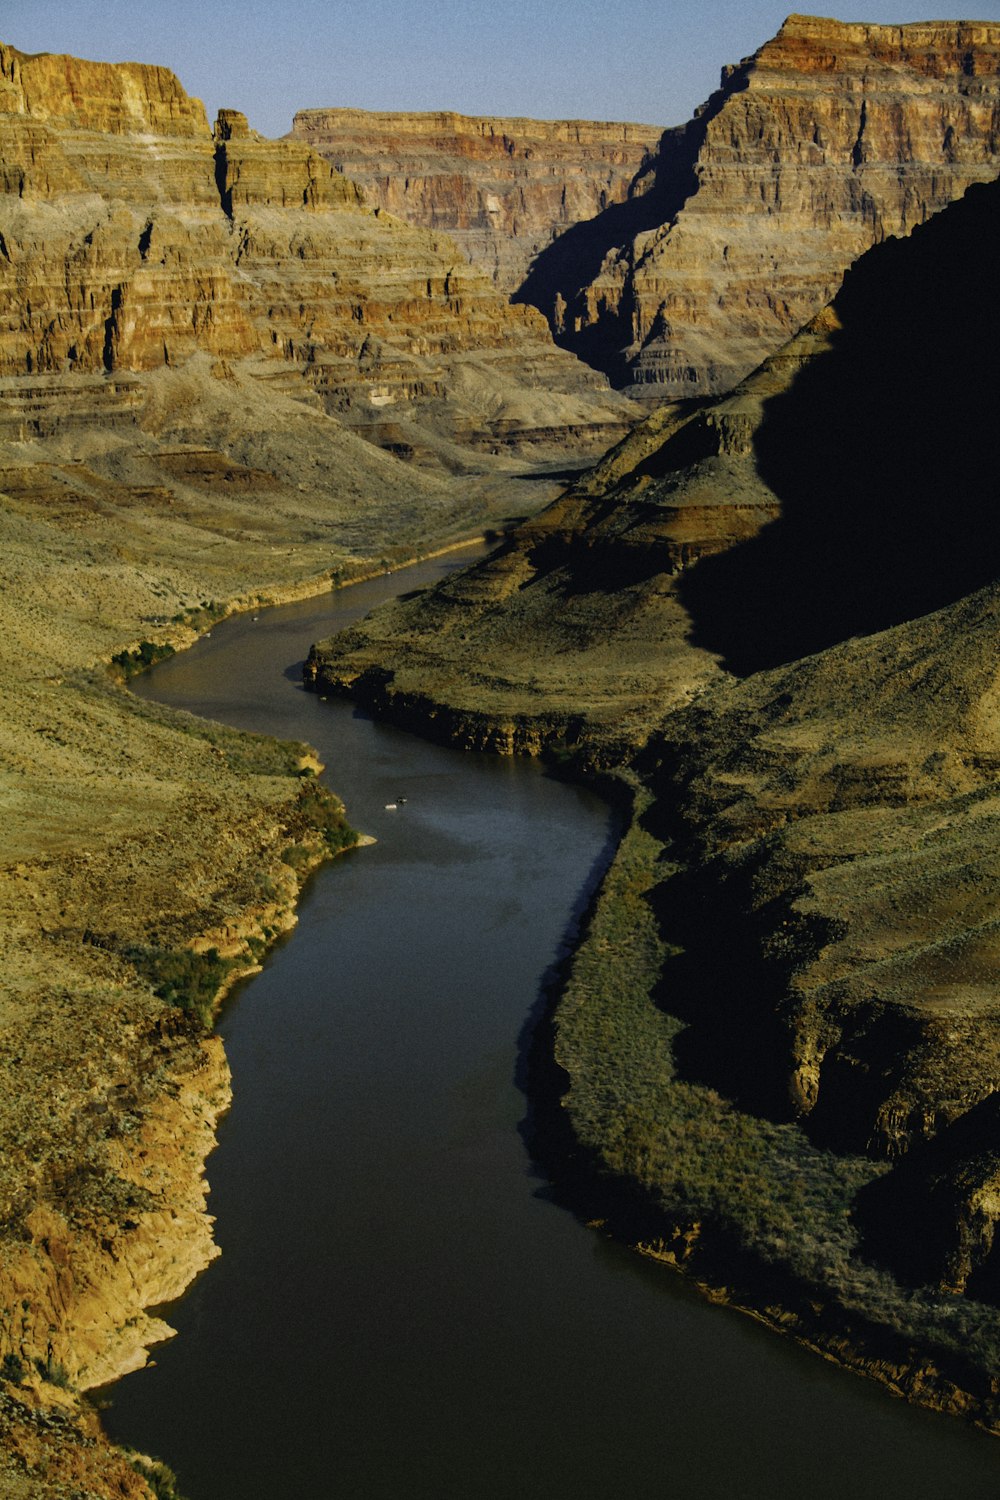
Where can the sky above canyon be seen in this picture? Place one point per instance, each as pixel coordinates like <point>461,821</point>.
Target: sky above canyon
<point>647,60</point>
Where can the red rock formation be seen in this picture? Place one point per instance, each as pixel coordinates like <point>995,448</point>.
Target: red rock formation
<point>827,140</point>
<point>132,237</point>
<point>503,188</point>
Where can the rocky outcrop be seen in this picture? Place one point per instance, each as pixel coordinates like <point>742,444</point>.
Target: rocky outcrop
<point>132,237</point>
<point>112,98</point>
<point>125,1229</point>
<point>828,139</point>
<point>503,189</point>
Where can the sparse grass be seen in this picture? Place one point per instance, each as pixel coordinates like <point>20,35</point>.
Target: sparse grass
<point>239,750</point>
<point>697,1158</point>
<point>201,616</point>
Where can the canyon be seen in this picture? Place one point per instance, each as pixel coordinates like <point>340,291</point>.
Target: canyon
<point>231,374</point>
<point>785,660</point>
<point>737,227</point>
<point>134,237</point>
<point>203,337</point>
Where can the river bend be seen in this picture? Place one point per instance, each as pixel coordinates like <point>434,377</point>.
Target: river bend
<point>400,1312</point>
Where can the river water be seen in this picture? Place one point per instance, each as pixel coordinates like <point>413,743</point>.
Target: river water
<point>400,1311</point>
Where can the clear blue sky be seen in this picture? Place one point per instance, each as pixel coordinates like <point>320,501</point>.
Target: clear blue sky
<point>645,60</point>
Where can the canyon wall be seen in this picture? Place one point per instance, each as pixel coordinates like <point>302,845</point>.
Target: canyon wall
<point>503,189</point>
<point>225,380</point>
<point>132,237</point>
<point>828,139</point>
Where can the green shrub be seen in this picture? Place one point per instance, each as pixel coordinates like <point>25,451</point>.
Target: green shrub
<point>146,654</point>
<point>183,978</point>
<point>12,1368</point>
<point>317,810</point>
<point>159,1476</point>
<point>52,1371</point>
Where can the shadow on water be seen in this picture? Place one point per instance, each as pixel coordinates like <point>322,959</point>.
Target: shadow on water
<point>883,456</point>
<point>534,1070</point>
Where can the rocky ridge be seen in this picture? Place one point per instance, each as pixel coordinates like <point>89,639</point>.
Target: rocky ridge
<point>502,189</point>
<point>789,657</point>
<point>827,140</point>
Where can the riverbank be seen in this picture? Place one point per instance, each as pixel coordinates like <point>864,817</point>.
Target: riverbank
<point>118,953</point>
<point>748,1210</point>
<point>643,1139</point>
<point>149,858</point>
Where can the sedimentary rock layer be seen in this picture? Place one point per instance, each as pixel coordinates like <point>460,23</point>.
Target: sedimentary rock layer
<point>191,322</point>
<point>825,141</point>
<point>132,237</point>
<point>503,189</point>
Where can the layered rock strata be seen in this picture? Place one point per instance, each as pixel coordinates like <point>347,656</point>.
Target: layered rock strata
<point>502,189</point>
<point>776,614</point>
<point>828,139</point>
<point>125,247</point>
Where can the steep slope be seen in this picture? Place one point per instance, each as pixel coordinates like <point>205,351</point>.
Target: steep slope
<point>810,499</point>
<point>780,1033</point>
<point>132,237</point>
<point>829,138</point>
<point>502,189</point>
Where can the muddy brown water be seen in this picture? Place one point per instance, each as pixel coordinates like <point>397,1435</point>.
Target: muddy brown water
<point>400,1311</point>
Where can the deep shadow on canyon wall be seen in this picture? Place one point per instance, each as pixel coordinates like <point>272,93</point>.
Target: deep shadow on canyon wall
<point>882,453</point>
<point>565,269</point>
<point>568,267</point>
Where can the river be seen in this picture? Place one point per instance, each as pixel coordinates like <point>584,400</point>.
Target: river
<point>400,1311</point>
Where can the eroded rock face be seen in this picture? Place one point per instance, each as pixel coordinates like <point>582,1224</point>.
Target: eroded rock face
<point>503,189</point>
<point>830,138</point>
<point>132,237</point>
<point>114,98</point>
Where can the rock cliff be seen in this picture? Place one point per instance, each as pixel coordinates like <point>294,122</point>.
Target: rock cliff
<point>828,139</point>
<point>503,189</point>
<point>132,237</point>
<point>775,612</point>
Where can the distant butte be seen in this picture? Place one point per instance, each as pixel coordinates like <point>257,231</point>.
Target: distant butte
<point>827,140</point>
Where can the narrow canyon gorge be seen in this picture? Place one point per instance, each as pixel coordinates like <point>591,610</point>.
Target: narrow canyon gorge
<point>723,394</point>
